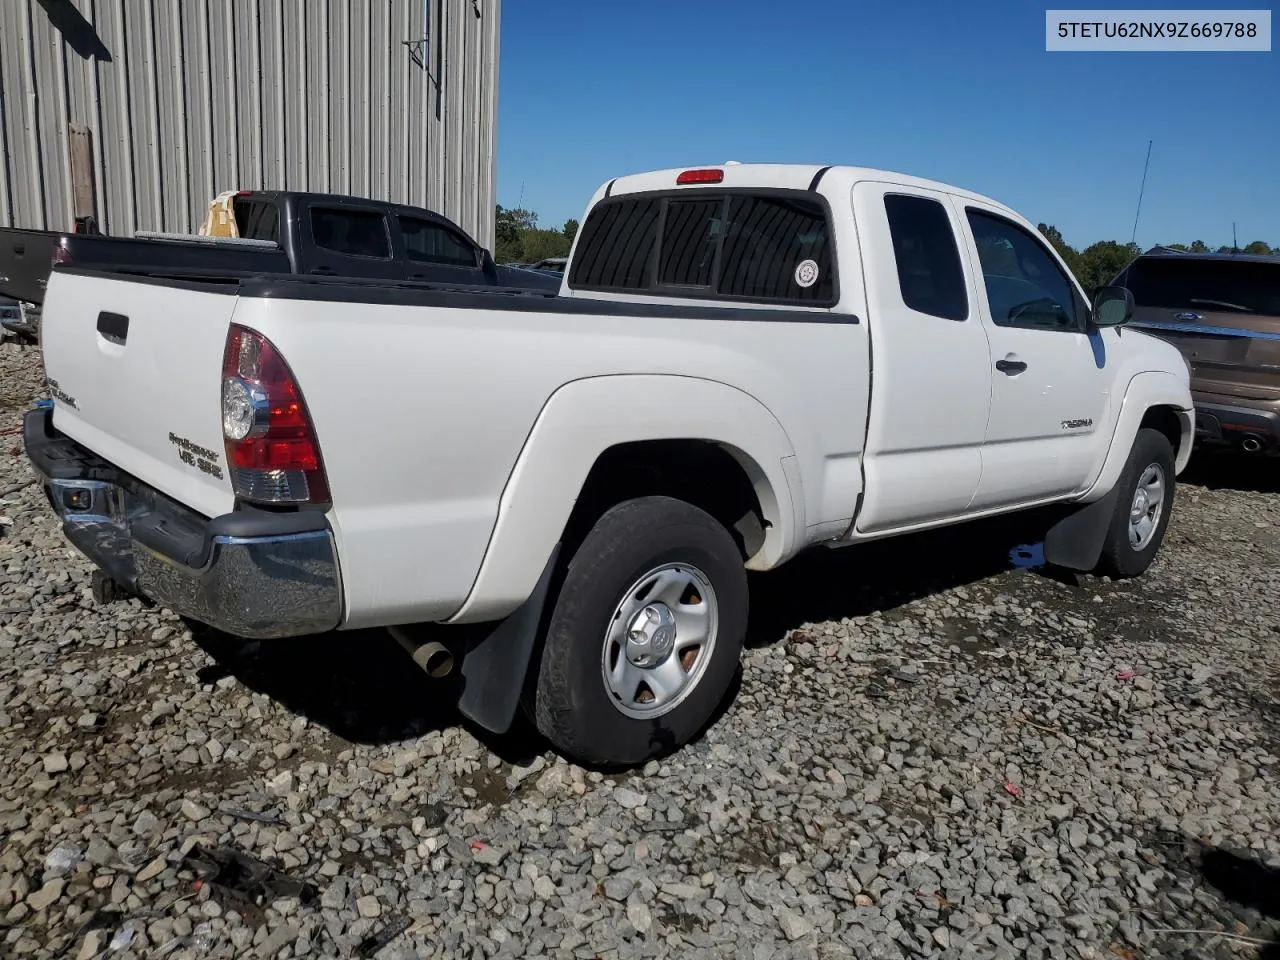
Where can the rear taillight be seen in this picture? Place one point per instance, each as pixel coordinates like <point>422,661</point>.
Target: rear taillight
<point>271,444</point>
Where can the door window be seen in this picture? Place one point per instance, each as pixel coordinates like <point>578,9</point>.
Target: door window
<point>428,242</point>
<point>1025,287</point>
<point>355,233</point>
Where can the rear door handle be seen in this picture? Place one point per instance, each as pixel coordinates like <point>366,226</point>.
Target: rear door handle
<point>113,327</point>
<point>1011,367</point>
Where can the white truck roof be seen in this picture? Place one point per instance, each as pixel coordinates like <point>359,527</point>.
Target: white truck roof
<point>786,176</point>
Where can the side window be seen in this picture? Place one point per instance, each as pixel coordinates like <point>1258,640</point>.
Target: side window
<point>928,259</point>
<point>617,245</point>
<point>356,233</point>
<point>256,219</point>
<point>428,242</point>
<point>777,248</point>
<point>1025,287</point>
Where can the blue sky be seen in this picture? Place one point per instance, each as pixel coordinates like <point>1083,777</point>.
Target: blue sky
<point>963,93</point>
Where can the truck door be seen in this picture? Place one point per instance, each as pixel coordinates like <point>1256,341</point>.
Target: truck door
<point>931,377</point>
<point>1050,392</point>
<point>343,239</point>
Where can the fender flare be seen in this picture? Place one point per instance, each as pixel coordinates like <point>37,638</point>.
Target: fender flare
<point>1151,388</point>
<point>583,419</point>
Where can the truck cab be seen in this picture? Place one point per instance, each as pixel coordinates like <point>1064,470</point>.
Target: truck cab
<point>337,235</point>
<point>996,385</point>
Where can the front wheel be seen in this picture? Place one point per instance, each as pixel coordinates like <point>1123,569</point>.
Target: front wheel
<point>645,636</point>
<point>1143,503</point>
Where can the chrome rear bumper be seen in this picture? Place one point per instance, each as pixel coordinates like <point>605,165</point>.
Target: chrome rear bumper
<point>248,573</point>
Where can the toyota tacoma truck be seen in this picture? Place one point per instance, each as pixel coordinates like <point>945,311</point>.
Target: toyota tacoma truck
<point>742,362</point>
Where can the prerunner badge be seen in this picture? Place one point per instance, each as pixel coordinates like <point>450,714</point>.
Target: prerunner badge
<point>806,274</point>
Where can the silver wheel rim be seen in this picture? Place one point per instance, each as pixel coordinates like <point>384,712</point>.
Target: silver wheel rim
<point>1147,505</point>
<point>659,641</point>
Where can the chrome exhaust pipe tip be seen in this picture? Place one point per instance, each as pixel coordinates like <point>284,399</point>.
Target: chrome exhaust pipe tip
<point>433,658</point>
<point>1251,444</point>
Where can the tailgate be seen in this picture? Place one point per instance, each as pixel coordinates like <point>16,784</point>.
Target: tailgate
<point>26,257</point>
<point>135,370</point>
<point>1232,355</point>
<point>1222,311</point>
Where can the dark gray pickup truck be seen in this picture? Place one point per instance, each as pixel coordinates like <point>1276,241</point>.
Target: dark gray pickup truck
<point>280,232</point>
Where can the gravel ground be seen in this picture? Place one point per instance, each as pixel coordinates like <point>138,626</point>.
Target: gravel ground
<point>932,753</point>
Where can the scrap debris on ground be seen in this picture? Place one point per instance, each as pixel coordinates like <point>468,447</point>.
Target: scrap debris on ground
<point>936,751</point>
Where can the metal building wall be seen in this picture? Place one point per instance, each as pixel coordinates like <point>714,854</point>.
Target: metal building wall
<point>187,98</point>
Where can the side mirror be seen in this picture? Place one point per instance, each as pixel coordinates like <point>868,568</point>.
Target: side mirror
<point>1112,307</point>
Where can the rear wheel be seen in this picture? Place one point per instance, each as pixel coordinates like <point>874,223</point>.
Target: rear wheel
<point>645,636</point>
<point>1143,504</point>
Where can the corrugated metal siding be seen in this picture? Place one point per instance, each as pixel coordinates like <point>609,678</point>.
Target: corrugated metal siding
<point>187,98</point>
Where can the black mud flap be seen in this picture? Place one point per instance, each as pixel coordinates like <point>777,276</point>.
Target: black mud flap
<point>494,670</point>
<point>1075,542</point>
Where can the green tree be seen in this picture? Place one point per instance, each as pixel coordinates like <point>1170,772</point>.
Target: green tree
<point>540,244</point>
<point>508,251</point>
<point>513,222</point>
<point>1199,246</point>
<point>1258,247</point>
<point>510,227</point>
<point>1052,234</point>
<point>570,229</point>
<point>1098,263</point>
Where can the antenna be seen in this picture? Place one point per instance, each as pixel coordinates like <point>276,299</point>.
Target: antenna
<point>520,202</point>
<point>1141,189</point>
<point>1235,244</point>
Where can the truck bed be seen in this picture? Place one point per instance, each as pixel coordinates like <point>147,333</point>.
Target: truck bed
<point>458,375</point>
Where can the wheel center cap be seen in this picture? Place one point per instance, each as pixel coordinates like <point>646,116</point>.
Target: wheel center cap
<point>1139,504</point>
<point>652,635</point>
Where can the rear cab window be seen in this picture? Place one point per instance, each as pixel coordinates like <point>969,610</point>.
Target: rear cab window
<point>1204,285</point>
<point>257,219</point>
<point>711,244</point>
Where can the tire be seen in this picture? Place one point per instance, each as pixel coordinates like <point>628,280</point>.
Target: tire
<point>1120,558</point>
<point>641,558</point>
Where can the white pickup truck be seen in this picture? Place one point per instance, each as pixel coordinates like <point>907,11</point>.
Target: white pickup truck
<point>743,362</point>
